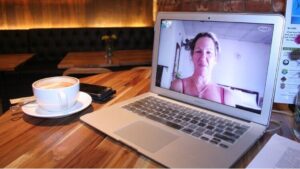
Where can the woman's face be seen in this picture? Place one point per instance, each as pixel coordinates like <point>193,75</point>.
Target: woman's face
<point>204,56</point>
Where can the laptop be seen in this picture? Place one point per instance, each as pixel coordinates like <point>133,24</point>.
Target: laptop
<point>178,129</point>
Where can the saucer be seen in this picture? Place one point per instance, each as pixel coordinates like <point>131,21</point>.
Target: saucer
<point>83,101</point>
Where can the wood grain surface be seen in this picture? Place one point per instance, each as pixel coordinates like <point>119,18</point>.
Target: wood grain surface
<point>9,62</point>
<point>67,142</point>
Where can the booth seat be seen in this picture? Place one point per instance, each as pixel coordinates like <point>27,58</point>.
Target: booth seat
<point>14,41</point>
<point>49,46</point>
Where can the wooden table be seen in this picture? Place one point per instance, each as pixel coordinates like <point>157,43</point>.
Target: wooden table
<point>9,62</point>
<point>98,59</point>
<point>67,142</point>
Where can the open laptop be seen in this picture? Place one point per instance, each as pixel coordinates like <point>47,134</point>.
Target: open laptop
<point>180,130</point>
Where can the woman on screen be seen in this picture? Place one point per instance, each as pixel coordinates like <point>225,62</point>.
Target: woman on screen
<point>205,52</point>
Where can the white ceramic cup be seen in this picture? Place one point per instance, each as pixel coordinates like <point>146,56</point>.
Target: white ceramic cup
<point>57,93</point>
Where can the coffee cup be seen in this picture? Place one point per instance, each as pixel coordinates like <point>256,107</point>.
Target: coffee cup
<point>57,93</point>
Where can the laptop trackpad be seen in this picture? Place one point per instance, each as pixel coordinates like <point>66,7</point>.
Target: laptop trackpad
<point>146,135</point>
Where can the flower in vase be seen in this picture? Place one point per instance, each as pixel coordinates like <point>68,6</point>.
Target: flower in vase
<point>108,39</point>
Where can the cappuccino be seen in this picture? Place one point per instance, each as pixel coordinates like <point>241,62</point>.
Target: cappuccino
<point>56,93</point>
<point>55,85</point>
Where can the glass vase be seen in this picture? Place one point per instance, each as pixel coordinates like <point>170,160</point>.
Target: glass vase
<point>108,53</point>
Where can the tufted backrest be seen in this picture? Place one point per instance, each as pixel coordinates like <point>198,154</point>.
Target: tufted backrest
<point>53,44</point>
<point>14,41</point>
<point>131,38</point>
<point>47,44</point>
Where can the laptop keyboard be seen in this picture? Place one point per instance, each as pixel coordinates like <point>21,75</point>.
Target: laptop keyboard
<point>210,128</point>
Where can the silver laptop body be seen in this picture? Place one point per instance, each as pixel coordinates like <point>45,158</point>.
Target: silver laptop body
<point>250,47</point>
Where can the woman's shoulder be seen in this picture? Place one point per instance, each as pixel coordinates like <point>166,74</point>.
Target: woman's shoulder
<point>177,85</point>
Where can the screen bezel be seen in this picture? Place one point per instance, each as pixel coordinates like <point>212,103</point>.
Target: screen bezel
<point>274,19</point>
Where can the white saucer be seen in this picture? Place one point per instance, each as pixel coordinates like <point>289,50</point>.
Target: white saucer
<point>83,101</point>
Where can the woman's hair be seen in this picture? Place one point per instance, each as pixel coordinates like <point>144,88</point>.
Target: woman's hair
<point>205,34</point>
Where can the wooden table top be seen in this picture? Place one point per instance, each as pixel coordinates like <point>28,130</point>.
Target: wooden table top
<point>98,59</point>
<point>9,62</point>
<point>67,142</point>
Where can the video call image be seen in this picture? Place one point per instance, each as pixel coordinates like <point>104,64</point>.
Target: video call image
<point>216,61</point>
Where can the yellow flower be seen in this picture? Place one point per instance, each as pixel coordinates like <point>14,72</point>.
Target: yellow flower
<point>107,37</point>
<point>113,36</point>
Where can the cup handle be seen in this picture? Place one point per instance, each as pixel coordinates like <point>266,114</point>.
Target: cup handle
<point>63,100</point>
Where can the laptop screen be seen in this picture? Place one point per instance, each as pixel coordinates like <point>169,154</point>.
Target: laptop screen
<point>215,61</point>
